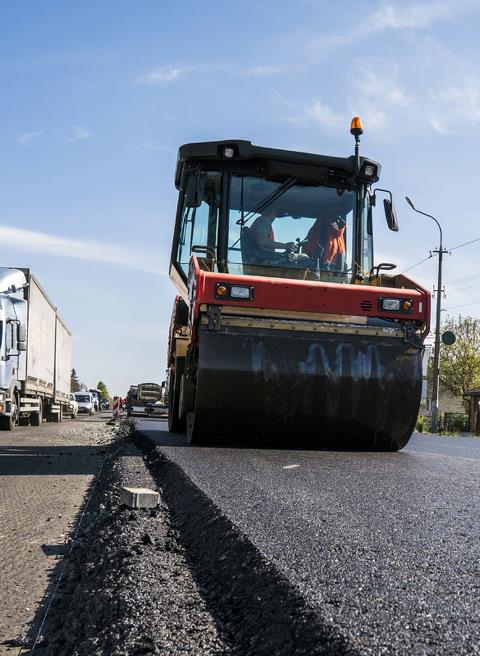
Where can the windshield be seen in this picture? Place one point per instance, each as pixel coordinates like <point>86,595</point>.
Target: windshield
<point>290,230</point>
<point>83,398</point>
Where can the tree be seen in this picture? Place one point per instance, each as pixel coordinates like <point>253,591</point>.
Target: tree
<point>74,382</point>
<point>460,363</point>
<point>103,389</point>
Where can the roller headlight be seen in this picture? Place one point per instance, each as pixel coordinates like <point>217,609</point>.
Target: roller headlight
<point>233,292</point>
<point>395,304</point>
<point>242,293</point>
<point>391,304</point>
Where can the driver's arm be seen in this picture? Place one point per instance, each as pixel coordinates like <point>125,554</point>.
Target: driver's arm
<point>268,244</point>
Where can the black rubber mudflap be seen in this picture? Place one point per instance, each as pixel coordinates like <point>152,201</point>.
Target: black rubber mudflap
<point>306,389</point>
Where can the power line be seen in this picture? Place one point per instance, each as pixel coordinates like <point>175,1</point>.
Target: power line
<point>454,248</point>
<point>459,281</point>
<point>454,307</point>
<point>466,289</point>
<point>417,264</point>
<point>472,241</point>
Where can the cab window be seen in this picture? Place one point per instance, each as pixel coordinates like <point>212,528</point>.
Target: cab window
<point>199,224</point>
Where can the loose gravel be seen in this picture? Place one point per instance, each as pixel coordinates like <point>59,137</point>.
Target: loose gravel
<point>128,588</point>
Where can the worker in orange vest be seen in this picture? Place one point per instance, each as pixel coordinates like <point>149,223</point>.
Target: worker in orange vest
<point>332,253</point>
<point>335,250</point>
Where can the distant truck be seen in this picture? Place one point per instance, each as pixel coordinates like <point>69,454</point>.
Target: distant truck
<point>144,398</point>
<point>150,396</point>
<point>149,392</point>
<point>35,353</point>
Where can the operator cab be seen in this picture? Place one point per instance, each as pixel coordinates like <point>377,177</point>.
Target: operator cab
<point>245,209</point>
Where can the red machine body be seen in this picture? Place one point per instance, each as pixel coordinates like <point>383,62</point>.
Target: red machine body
<point>307,296</point>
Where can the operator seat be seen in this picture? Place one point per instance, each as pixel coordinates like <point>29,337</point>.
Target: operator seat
<point>248,247</point>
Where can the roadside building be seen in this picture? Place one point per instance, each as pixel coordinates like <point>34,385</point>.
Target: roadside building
<point>473,397</point>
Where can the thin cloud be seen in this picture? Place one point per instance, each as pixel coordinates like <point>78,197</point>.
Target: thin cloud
<point>264,71</point>
<point>396,16</point>
<point>456,105</point>
<point>439,124</point>
<point>377,93</point>
<point>30,241</point>
<point>415,16</point>
<point>79,132</point>
<point>28,137</point>
<point>321,113</point>
<point>163,75</point>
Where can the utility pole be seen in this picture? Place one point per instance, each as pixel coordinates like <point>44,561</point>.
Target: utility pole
<point>436,354</point>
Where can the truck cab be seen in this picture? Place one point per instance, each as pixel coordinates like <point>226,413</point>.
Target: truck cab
<point>13,322</point>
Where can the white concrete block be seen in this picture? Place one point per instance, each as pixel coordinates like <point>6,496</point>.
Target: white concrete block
<point>139,497</point>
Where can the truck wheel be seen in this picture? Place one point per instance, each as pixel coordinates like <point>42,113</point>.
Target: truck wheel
<point>36,418</point>
<point>9,423</point>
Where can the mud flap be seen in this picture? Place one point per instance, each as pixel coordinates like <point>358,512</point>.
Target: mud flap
<point>259,386</point>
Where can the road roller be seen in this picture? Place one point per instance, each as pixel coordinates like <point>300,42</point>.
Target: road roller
<point>285,331</point>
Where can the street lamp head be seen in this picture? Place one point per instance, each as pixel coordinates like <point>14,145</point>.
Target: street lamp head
<point>410,202</point>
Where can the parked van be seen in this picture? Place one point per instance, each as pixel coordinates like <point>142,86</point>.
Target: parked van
<point>86,402</point>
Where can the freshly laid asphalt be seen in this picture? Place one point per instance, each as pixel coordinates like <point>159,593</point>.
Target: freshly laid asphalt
<point>384,546</point>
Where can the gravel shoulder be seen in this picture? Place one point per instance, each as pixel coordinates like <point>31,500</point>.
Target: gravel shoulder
<point>128,588</point>
<point>45,474</point>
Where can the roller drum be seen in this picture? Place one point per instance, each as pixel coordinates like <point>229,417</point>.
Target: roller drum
<point>303,389</point>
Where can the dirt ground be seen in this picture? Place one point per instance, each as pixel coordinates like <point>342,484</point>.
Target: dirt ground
<point>45,475</point>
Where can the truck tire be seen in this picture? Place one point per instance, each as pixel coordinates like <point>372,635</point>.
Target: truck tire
<point>36,418</point>
<point>9,423</point>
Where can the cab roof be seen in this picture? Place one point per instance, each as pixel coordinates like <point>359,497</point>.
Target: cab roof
<point>276,162</point>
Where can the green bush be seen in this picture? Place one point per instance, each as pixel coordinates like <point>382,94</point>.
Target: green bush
<point>423,424</point>
<point>456,423</point>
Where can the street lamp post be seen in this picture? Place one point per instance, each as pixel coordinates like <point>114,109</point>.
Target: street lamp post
<point>436,355</point>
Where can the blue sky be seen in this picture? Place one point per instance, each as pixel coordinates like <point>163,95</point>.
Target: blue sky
<point>97,97</point>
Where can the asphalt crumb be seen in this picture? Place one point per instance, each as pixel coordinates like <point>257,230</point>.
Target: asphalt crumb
<point>127,587</point>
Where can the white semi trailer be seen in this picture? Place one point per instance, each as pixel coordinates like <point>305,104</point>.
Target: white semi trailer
<point>35,353</point>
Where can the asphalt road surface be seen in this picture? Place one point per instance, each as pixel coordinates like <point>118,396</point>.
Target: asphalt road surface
<point>384,546</point>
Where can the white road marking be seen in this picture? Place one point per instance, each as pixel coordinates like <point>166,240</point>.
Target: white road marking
<point>290,466</point>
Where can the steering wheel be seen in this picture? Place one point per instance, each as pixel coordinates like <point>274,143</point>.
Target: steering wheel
<point>299,243</point>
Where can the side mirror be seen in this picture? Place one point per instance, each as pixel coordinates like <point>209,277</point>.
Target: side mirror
<point>390,215</point>
<point>195,189</point>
